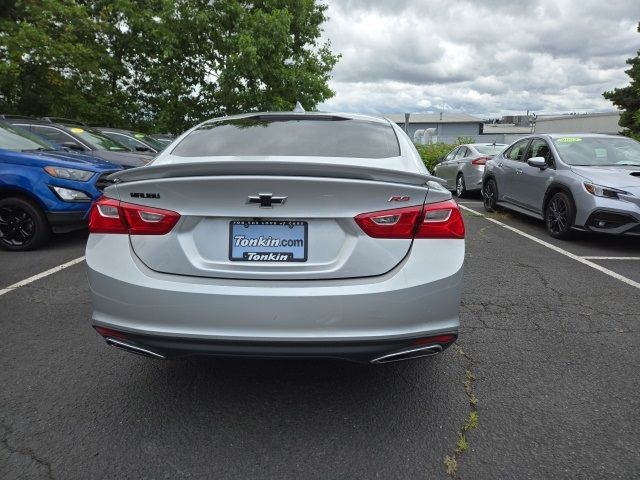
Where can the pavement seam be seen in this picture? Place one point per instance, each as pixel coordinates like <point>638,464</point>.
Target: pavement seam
<point>471,423</point>
<point>24,451</point>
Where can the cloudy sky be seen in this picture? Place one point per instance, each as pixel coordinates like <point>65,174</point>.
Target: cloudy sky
<point>484,57</point>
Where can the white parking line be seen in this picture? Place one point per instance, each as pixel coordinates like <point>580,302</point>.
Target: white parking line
<point>46,273</point>
<point>582,260</point>
<point>611,258</point>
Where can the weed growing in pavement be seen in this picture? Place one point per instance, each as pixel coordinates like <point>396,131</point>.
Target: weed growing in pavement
<point>461,445</point>
<point>451,464</point>
<point>472,421</point>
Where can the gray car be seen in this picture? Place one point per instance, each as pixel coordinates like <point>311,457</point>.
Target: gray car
<point>301,235</point>
<point>83,139</point>
<point>579,181</point>
<point>463,167</point>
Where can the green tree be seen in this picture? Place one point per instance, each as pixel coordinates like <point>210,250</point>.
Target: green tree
<point>628,98</point>
<point>161,64</point>
<point>47,57</point>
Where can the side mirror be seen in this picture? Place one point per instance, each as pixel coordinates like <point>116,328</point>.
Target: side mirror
<point>142,149</point>
<point>538,162</point>
<point>72,146</point>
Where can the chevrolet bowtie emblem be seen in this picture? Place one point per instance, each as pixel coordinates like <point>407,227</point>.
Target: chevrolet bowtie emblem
<point>266,200</point>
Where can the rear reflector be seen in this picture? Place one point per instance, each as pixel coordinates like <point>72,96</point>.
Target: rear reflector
<point>433,220</point>
<point>113,216</point>
<point>108,333</point>
<point>480,161</point>
<point>439,339</point>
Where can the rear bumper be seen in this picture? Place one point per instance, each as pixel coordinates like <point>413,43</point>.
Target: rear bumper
<point>182,314</point>
<point>371,351</point>
<point>473,177</point>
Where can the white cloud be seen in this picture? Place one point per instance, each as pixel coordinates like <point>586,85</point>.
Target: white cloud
<point>486,58</point>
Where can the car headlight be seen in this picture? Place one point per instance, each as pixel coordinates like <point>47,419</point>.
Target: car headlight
<point>600,191</point>
<point>70,195</point>
<point>69,173</point>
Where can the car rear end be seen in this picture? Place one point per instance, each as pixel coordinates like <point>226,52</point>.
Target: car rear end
<point>291,255</point>
<point>473,169</point>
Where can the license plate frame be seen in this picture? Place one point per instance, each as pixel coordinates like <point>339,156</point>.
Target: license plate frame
<point>267,253</point>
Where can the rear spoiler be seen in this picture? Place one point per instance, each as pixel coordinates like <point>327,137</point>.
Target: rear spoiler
<point>270,168</point>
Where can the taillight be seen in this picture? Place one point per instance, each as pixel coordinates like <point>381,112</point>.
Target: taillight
<point>480,161</point>
<point>396,223</point>
<point>113,216</point>
<point>433,220</point>
<point>441,220</point>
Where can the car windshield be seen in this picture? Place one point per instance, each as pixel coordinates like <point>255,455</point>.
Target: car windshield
<point>490,149</point>
<point>598,151</point>
<point>150,141</point>
<point>98,140</point>
<point>312,136</point>
<point>16,138</point>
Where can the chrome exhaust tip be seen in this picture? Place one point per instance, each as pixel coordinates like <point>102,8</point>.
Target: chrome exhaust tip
<point>127,347</point>
<point>409,353</point>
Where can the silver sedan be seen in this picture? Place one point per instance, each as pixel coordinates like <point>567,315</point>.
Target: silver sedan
<point>304,235</point>
<point>463,167</point>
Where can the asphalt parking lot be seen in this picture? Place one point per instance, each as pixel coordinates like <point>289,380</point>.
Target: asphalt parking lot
<point>547,362</point>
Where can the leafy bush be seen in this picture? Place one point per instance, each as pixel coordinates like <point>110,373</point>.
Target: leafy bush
<point>433,152</point>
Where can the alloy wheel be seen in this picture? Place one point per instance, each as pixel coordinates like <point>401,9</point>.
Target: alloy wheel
<point>17,227</point>
<point>488,196</point>
<point>460,186</point>
<point>557,215</point>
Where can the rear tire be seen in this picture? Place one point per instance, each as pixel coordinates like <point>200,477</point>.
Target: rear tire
<point>490,195</point>
<point>559,216</point>
<point>23,225</point>
<point>461,187</point>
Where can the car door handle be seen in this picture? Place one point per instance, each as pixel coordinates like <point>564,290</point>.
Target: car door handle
<point>518,171</point>
<point>500,164</point>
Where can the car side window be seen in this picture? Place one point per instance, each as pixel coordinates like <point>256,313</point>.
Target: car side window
<point>54,135</point>
<point>462,152</point>
<point>125,140</point>
<point>451,154</point>
<point>540,148</point>
<point>516,152</point>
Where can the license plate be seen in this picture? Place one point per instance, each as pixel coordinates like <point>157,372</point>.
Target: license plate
<point>276,241</point>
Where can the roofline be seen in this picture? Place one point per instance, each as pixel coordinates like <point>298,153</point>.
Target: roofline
<point>347,116</point>
<point>568,116</point>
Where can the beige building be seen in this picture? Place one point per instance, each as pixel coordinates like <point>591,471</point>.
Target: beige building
<point>580,123</point>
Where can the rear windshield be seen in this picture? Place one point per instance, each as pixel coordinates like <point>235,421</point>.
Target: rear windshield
<point>288,136</point>
<point>489,149</point>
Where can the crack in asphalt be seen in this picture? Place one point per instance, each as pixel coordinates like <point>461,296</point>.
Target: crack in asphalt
<point>24,451</point>
<point>532,316</point>
<point>451,461</point>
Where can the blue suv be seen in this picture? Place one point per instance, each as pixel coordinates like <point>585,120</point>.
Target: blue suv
<point>44,189</point>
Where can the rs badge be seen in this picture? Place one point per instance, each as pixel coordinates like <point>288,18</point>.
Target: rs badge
<point>399,198</point>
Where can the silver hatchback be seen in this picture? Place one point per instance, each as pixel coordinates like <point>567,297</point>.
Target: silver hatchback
<point>279,235</point>
<point>587,182</point>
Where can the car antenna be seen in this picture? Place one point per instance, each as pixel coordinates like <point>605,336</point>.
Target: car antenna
<point>298,108</point>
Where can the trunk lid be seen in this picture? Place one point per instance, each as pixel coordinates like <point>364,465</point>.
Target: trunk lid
<point>319,199</point>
